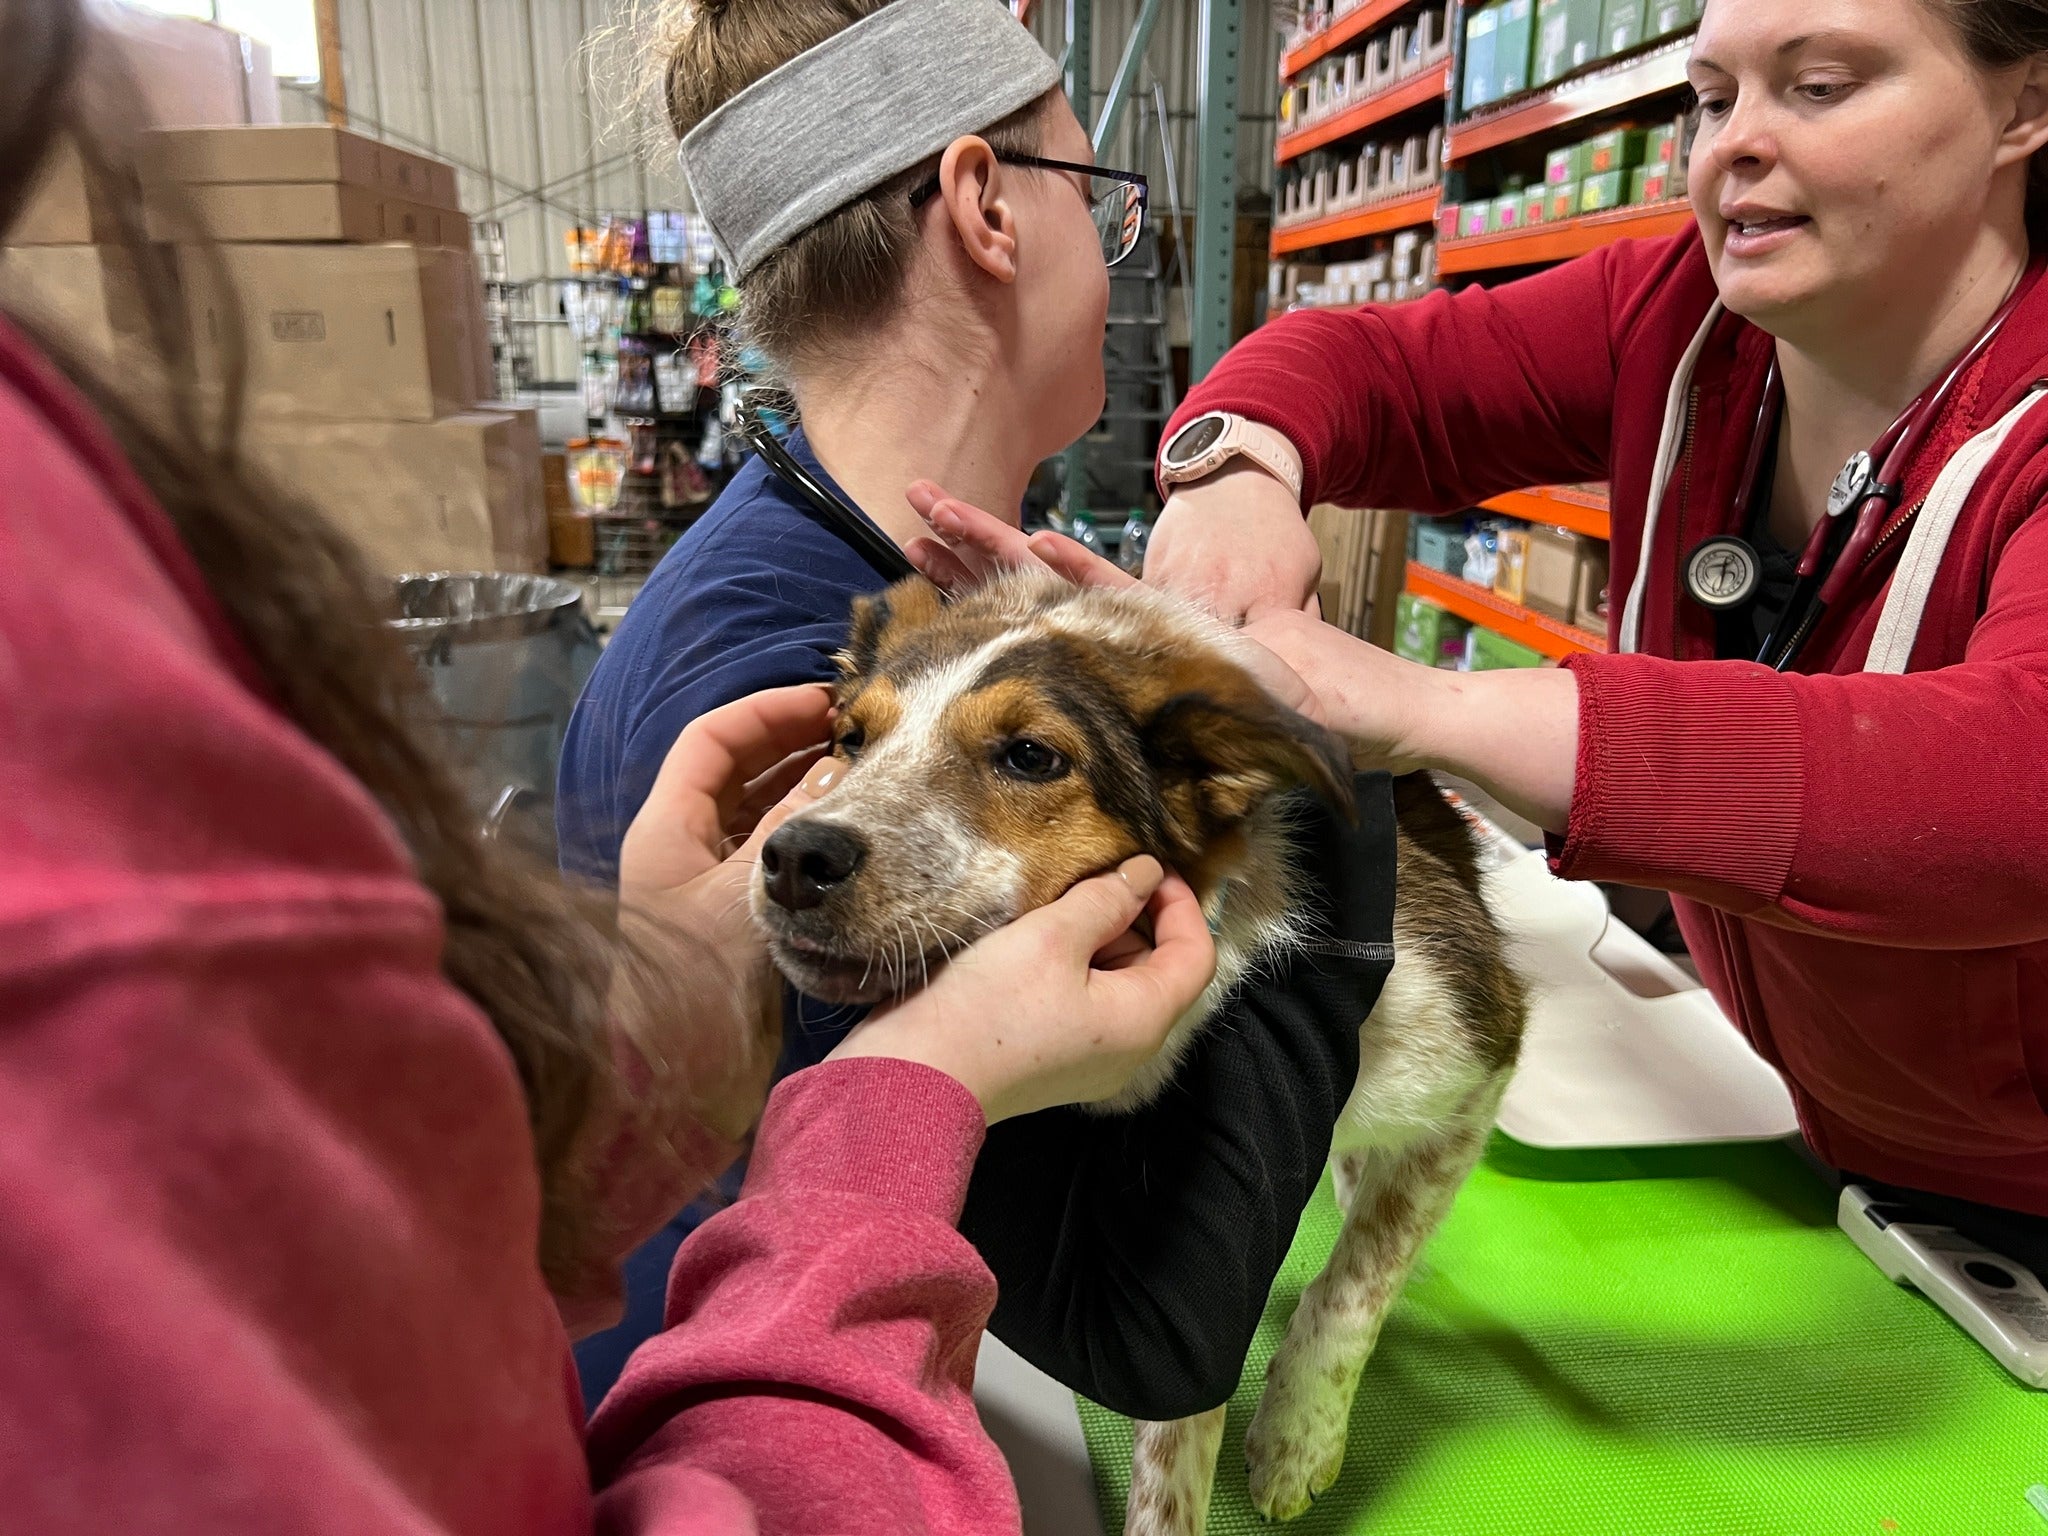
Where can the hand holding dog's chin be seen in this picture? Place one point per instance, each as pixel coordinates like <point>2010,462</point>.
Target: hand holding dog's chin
<point>1064,1005</point>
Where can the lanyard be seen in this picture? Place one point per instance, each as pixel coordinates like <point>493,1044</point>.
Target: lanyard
<point>831,511</point>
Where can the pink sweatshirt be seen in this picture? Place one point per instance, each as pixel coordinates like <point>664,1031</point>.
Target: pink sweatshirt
<point>268,1208</point>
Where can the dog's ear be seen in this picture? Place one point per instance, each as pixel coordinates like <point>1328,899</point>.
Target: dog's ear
<point>882,620</point>
<point>1233,749</point>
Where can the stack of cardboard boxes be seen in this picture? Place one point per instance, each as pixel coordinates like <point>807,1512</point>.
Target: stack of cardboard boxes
<point>61,263</point>
<point>342,266</point>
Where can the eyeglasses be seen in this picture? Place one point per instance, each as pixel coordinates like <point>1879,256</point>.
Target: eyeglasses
<point>1116,200</point>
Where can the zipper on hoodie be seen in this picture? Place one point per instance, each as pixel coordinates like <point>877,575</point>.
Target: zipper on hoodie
<point>1678,545</point>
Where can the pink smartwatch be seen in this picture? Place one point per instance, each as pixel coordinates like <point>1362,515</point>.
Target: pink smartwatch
<point>1210,441</point>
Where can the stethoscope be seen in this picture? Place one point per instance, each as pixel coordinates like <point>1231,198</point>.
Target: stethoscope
<point>826,507</point>
<point>1725,571</point>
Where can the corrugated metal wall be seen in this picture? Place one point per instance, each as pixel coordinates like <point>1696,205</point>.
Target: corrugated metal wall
<point>500,88</point>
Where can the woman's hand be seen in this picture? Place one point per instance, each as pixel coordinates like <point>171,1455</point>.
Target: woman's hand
<point>1514,733</point>
<point>971,546</point>
<point>1237,544</point>
<point>1064,1005</point>
<point>687,861</point>
<point>1372,698</point>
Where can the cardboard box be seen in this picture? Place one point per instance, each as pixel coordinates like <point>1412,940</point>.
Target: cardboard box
<point>314,212</point>
<point>1504,213</point>
<point>1482,36</point>
<point>1599,193</point>
<point>1589,598</point>
<point>1447,220</point>
<point>1621,26</point>
<point>189,72</point>
<point>1536,207</point>
<point>1649,184</point>
<point>87,295</point>
<point>1564,202</point>
<point>462,494</point>
<point>1473,219</point>
<point>1514,48</point>
<point>64,209</point>
<point>1661,144</point>
<point>1550,574</point>
<point>343,332</point>
<point>572,541</point>
<point>300,152</point>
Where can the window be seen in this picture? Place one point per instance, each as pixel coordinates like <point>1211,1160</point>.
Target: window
<point>286,25</point>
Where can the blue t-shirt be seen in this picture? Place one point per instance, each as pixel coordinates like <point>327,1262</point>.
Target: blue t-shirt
<point>757,594</point>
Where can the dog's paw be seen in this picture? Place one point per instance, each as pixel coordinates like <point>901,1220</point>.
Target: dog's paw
<point>1294,1452</point>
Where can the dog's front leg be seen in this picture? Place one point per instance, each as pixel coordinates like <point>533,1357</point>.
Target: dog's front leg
<point>1173,1468</point>
<point>1295,1447</point>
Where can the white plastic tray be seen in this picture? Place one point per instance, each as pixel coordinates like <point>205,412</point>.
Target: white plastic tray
<point>1624,1049</point>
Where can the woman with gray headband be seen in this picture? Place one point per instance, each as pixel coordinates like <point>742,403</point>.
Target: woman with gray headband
<point>921,250</point>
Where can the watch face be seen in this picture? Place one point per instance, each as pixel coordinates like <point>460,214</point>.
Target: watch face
<point>1194,440</point>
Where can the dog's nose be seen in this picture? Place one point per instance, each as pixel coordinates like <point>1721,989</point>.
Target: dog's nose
<point>806,860</point>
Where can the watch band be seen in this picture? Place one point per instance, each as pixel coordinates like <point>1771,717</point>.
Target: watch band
<point>1229,436</point>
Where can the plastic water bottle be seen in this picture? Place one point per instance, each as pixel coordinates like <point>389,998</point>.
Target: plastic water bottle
<point>1084,533</point>
<point>1130,549</point>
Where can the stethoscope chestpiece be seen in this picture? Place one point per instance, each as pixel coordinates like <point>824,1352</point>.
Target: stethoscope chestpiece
<point>1723,572</point>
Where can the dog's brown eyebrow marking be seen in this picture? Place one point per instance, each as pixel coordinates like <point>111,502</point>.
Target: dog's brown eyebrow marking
<point>1069,678</point>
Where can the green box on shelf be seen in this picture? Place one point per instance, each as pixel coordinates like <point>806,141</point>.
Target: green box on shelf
<point>1536,207</point>
<point>1567,37</point>
<point>1650,184</point>
<point>1662,144</point>
<point>1487,651</point>
<point>1564,165</point>
<point>1425,633</point>
<point>1619,149</point>
<point>1621,26</point>
<point>1473,219</point>
<point>1482,36</point>
<point>1661,18</point>
<point>1564,202</point>
<point>1597,194</point>
<point>1514,48</point>
<point>1504,213</point>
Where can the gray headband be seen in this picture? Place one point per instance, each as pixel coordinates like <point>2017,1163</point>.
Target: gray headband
<point>866,104</point>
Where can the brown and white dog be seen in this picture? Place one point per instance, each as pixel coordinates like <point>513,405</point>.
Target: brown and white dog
<point>1006,745</point>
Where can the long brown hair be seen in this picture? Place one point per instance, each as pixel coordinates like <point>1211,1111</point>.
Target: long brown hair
<point>543,961</point>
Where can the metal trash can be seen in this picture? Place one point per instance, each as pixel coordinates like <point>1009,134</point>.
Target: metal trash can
<point>506,656</point>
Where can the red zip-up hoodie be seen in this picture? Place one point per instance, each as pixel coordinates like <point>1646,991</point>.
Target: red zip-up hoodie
<point>1860,861</point>
<point>268,1203</point>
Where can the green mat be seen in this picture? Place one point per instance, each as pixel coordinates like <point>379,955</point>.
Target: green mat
<point>1647,1344</point>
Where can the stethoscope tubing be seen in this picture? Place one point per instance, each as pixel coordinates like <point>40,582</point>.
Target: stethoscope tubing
<point>1836,548</point>
<point>838,515</point>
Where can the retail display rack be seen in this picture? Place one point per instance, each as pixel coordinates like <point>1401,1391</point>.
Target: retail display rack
<point>1434,143</point>
<point>636,318</point>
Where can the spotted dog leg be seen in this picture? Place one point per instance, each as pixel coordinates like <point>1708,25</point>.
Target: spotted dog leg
<point>1173,1467</point>
<point>1295,1447</point>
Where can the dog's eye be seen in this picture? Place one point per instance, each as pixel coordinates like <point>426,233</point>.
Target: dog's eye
<point>851,740</point>
<point>1032,761</point>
